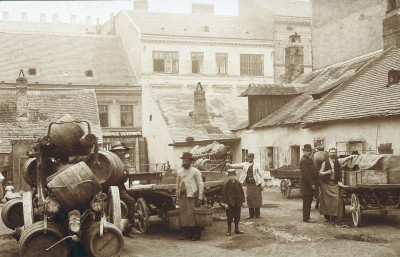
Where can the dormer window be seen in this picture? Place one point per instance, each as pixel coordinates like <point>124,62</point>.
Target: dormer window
<point>393,77</point>
<point>89,73</point>
<point>32,71</point>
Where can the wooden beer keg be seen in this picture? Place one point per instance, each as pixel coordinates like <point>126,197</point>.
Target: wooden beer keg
<point>67,135</point>
<point>12,213</point>
<point>34,241</point>
<point>109,171</point>
<point>110,244</point>
<point>29,170</point>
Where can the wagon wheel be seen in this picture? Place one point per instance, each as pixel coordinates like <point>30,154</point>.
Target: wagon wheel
<point>142,215</point>
<point>355,210</point>
<point>114,207</point>
<point>27,207</point>
<point>284,187</point>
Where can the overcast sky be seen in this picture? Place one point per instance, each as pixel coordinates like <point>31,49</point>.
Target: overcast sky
<point>102,9</point>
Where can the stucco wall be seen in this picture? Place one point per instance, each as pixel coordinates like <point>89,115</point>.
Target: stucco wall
<point>342,30</point>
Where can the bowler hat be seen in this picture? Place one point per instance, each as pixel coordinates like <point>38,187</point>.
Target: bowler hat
<point>117,145</point>
<point>250,155</point>
<point>307,147</point>
<point>231,172</point>
<point>187,155</point>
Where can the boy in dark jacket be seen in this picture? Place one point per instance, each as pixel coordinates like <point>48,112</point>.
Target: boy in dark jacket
<point>233,198</point>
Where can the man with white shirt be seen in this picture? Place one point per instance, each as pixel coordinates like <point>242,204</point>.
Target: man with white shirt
<point>252,177</point>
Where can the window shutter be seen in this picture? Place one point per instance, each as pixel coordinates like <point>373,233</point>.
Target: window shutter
<point>276,157</point>
<point>263,158</point>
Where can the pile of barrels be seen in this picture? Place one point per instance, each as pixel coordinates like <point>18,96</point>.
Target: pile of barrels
<point>210,155</point>
<point>73,181</point>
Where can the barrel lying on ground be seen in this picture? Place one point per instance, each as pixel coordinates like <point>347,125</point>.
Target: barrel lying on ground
<point>12,213</point>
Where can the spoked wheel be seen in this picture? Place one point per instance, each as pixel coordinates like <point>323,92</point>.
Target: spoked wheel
<point>142,215</point>
<point>114,207</point>
<point>284,187</point>
<point>355,210</point>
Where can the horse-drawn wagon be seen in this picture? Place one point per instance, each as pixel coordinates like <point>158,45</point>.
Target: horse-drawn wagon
<point>290,178</point>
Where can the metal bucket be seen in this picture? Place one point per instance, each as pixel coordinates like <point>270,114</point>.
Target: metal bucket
<point>74,186</point>
<point>109,171</point>
<point>34,241</point>
<point>67,135</point>
<point>110,244</point>
<point>12,213</point>
<point>204,216</point>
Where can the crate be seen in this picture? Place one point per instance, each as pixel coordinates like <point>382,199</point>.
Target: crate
<point>365,177</point>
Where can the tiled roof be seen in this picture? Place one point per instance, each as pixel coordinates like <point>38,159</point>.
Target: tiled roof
<point>290,8</point>
<point>175,107</point>
<point>364,97</point>
<point>203,26</point>
<point>62,59</point>
<point>318,83</point>
<point>273,89</point>
<point>45,107</point>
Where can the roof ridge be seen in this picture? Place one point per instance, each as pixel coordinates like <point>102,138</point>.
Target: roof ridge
<point>59,34</point>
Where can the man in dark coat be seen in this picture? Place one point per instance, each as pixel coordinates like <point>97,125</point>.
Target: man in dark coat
<point>233,197</point>
<point>309,181</point>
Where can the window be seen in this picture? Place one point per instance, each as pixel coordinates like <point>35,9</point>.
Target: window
<point>32,71</point>
<point>126,115</point>
<point>166,62</point>
<point>244,153</point>
<point>197,62</point>
<point>103,115</point>
<point>319,142</point>
<point>252,65</point>
<point>269,157</point>
<point>346,148</point>
<point>89,73</point>
<point>222,63</point>
<point>295,155</point>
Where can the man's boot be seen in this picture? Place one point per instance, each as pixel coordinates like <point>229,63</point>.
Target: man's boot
<point>229,233</point>
<point>186,234</point>
<point>237,231</point>
<point>196,233</point>
<point>251,213</point>
<point>257,213</point>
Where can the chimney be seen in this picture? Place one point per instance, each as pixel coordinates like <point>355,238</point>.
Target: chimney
<point>73,19</point>
<point>42,18</point>
<point>55,18</point>
<point>88,20</point>
<point>200,107</point>
<point>24,17</point>
<point>98,27</point>
<point>5,16</point>
<point>203,9</point>
<point>22,101</point>
<point>294,58</point>
<point>112,24</point>
<point>140,6</point>
<point>391,26</point>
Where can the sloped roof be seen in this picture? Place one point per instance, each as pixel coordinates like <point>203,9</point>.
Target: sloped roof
<point>175,107</point>
<point>318,82</point>
<point>287,7</point>
<point>63,59</point>
<point>194,25</point>
<point>45,107</point>
<point>365,97</point>
<point>273,89</point>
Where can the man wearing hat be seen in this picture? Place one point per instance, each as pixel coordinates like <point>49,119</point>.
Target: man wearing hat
<point>308,181</point>
<point>252,177</point>
<point>233,197</point>
<point>122,151</point>
<point>189,192</point>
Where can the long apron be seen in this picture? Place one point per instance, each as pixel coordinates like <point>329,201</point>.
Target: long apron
<point>253,197</point>
<point>329,202</point>
<point>187,216</point>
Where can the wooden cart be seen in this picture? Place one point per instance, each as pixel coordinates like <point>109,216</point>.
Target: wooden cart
<point>369,190</point>
<point>290,178</point>
<point>158,199</point>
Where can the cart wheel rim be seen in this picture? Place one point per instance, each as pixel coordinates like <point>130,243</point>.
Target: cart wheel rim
<point>142,215</point>
<point>356,210</point>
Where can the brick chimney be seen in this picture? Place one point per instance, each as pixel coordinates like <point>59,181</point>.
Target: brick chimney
<point>112,31</point>
<point>22,98</point>
<point>140,6</point>
<point>203,9</point>
<point>294,58</point>
<point>391,25</point>
<point>200,107</point>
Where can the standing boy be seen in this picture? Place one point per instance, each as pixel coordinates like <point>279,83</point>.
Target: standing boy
<point>233,197</point>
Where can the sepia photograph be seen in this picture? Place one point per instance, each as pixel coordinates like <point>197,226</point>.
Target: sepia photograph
<point>209,128</point>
